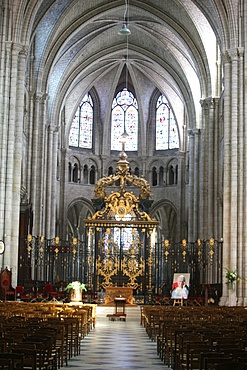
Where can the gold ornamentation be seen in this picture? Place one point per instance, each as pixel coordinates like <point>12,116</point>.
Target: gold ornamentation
<point>29,238</point>
<point>123,175</point>
<point>29,245</point>
<point>166,253</point>
<point>166,246</point>
<point>118,210</point>
<point>166,243</point>
<point>107,267</point>
<point>56,251</point>
<point>41,253</point>
<point>99,191</point>
<point>29,249</point>
<point>74,251</point>
<point>142,184</point>
<point>211,252</point>
<point>121,205</point>
<point>132,266</point>
<point>184,246</point>
<point>199,253</point>
<point>184,243</point>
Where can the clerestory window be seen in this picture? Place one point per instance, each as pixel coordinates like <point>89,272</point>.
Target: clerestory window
<point>81,131</point>
<point>124,118</point>
<point>166,127</point>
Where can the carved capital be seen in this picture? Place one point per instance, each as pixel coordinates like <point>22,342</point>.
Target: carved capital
<point>233,54</point>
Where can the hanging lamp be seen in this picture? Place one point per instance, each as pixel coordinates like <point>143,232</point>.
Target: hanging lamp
<point>125,31</point>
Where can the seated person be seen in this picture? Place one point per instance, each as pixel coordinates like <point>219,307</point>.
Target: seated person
<point>179,288</point>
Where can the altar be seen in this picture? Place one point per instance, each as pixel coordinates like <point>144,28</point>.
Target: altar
<point>118,292</point>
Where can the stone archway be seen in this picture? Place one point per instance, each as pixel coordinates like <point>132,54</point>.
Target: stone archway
<point>76,214</point>
<point>166,214</point>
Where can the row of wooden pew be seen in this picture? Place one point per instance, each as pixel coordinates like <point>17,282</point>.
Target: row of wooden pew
<point>198,338</point>
<point>42,336</point>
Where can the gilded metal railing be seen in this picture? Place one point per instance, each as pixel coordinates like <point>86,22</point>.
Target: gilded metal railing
<point>147,269</point>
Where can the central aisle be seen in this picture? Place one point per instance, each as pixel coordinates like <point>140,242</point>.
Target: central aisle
<point>117,344</point>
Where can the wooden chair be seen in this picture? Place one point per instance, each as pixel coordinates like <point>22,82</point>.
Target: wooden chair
<point>19,292</point>
<point>43,350</point>
<point>73,335</point>
<point>62,346</point>
<point>10,361</point>
<point>233,364</point>
<point>210,362</point>
<point>7,292</point>
<point>29,353</point>
<point>178,301</point>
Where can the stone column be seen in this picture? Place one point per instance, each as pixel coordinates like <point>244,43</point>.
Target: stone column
<point>204,171</point>
<point>54,187</point>
<point>36,162</point>
<point>49,146</point>
<point>191,186</point>
<point>234,188</point>
<point>209,169</point>
<point>194,191</point>
<point>51,186</point>
<point>227,168</point>
<point>28,160</point>
<point>13,122</point>
<point>196,186</point>
<point>4,114</point>
<point>181,226</point>
<point>63,185</point>
<point>242,245</point>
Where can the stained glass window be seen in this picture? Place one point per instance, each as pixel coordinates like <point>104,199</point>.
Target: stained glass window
<point>82,125</point>
<point>124,117</point>
<point>121,238</point>
<point>166,127</point>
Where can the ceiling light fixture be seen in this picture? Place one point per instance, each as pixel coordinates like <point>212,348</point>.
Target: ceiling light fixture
<point>124,31</point>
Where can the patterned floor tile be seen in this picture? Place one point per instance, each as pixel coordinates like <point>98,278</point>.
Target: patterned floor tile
<point>117,345</point>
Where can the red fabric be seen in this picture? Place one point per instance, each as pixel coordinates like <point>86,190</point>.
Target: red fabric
<point>5,282</point>
<point>19,289</point>
<point>174,285</point>
<point>48,287</point>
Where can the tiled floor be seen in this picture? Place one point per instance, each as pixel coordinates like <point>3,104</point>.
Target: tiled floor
<point>117,345</point>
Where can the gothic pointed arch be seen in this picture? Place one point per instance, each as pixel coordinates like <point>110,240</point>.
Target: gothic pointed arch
<point>166,213</point>
<point>77,211</point>
<point>124,119</point>
<point>81,130</point>
<point>167,136</point>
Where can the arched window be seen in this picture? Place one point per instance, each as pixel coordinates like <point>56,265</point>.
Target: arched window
<point>154,176</point>
<point>161,175</point>
<point>176,174</point>
<point>110,171</point>
<point>171,175</point>
<point>166,127</point>
<point>81,131</point>
<point>75,173</point>
<point>69,172</point>
<point>124,117</point>
<point>137,172</point>
<point>92,175</point>
<point>85,174</point>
